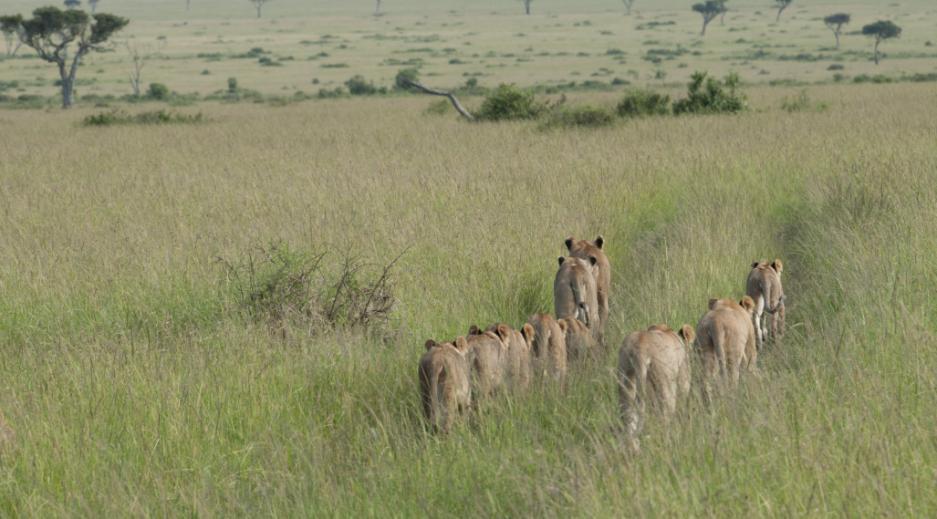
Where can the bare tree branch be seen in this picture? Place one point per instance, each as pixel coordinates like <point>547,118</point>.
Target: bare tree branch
<point>433,92</point>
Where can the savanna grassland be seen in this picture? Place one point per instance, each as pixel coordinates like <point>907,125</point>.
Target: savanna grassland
<point>304,46</point>
<point>141,381</point>
<point>137,386</point>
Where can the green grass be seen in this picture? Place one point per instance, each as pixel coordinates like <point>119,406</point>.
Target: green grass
<point>136,385</point>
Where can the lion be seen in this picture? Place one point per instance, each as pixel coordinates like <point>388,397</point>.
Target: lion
<point>516,361</point>
<point>549,346</point>
<point>574,292</point>
<point>489,353</point>
<point>585,249</point>
<point>580,343</point>
<point>764,287</point>
<point>445,389</point>
<point>653,365</point>
<point>725,338</point>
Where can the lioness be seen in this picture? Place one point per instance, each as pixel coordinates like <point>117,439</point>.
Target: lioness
<point>549,345</point>
<point>516,361</point>
<point>764,287</point>
<point>726,339</point>
<point>580,343</point>
<point>574,292</point>
<point>585,249</point>
<point>489,354</point>
<point>445,372</point>
<point>652,365</point>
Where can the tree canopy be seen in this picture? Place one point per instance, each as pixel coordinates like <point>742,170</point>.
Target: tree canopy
<point>882,30</point>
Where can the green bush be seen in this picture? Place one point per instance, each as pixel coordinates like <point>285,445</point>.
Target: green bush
<point>708,95</point>
<point>508,102</point>
<point>640,103</point>
<point>405,75</point>
<point>115,117</point>
<point>580,116</point>
<point>158,91</point>
<point>358,86</point>
<point>802,103</point>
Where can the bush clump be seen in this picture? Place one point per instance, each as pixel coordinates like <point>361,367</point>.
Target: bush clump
<point>280,285</point>
<point>404,77</point>
<point>509,102</point>
<point>641,103</point>
<point>580,116</point>
<point>115,117</point>
<point>358,86</point>
<point>157,92</point>
<point>708,95</point>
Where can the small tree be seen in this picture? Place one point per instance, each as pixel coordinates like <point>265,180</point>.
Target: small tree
<point>139,55</point>
<point>835,23</point>
<point>709,11</point>
<point>259,5</point>
<point>881,30</point>
<point>782,5</point>
<point>12,28</point>
<point>526,6</point>
<point>51,32</point>
<point>628,5</point>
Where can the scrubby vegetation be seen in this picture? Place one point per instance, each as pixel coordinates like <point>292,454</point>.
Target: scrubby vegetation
<point>509,102</point>
<point>640,103</point>
<point>708,95</point>
<point>115,117</point>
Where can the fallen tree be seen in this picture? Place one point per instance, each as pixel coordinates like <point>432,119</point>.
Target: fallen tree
<point>415,85</point>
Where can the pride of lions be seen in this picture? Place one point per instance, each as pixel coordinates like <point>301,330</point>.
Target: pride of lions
<point>653,364</point>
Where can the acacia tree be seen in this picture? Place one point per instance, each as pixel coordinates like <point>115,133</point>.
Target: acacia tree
<point>782,5</point>
<point>709,11</point>
<point>53,33</point>
<point>835,23</point>
<point>259,5</point>
<point>628,5</point>
<point>12,28</point>
<point>881,30</point>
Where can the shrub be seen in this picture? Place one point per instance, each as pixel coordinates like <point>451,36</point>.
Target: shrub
<point>708,95</point>
<point>508,102</point>
<point>158,91</point>
<point>405,75</point>
<point>279,285</point>
<point>640,103</point>
<point>580,116</point>
<point>115,117</point>
<point>836,66</point>
<point>358,86</point>
<point>232,85</point>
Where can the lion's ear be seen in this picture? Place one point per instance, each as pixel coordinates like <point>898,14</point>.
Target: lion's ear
<point>461,345</point>
<point>561,259</point>
<point>569,243</point>
<point>593,260</point>
<point>712,303</point>
<point>563,326</point>
<point>748,303</point>
<point>528,332</point>
<point>777,266</point>
<point>600,241</point>
<point>687,333</point>
<point>503,331</point>
<point>755,264</point>
<point>430,344</point>
<point>474,330</point>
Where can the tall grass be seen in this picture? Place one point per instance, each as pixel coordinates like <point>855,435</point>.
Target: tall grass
<point>134,391</point>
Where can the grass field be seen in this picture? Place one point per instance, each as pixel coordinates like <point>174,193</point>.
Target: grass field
<point>322,45</point>
<point>136,387</point>
<point>140,381</point>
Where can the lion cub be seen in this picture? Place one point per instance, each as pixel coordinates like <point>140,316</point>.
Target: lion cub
<point>517,358</point>
<point>574,292</point>
<point>764,287</point>
<point>585,249</point>
<point>653,365</point>
<point>548,346</point>
<point>726,339</point>
<point>580,344</point>
<point>445,372</point>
